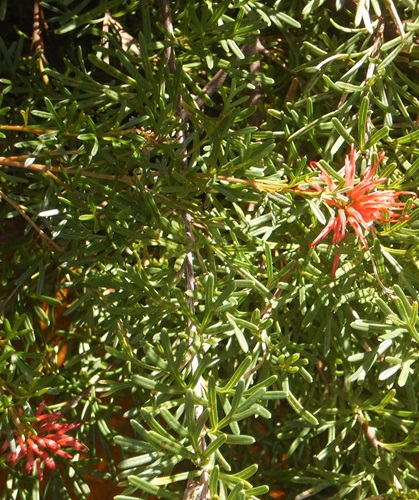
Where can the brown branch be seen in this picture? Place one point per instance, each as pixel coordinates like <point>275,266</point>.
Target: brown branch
<point>168,26</point>
<point>37,41</point>
<point>43,169</point>
<point>256,96</point>
<point>209,89</point>
<point>199,490</point>
<point>147,134</point>
<point>128,42</point>
<point>218,79</point>
<point>368,431</point>
<point>264,335</point>
<point>20,210</point>
<point>378,40</point>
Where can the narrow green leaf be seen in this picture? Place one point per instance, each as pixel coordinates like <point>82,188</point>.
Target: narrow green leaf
<point>147,486</point>
<point>167,346</point>
<point>255,409</point>
<point>139,460</point>
<point>241,339</point>
<point>237,493</point>
<point>343,132</point>
<point>402,303</point>
<point>213,446</point>
<point>413,314</point>
<point>404,374</point>
<point>57,119</point>
<point>252,399</point>
<point>377,136</point>
<point>316,210</point>
<point>199,426</point>
<point>389,59</point>
<point>52,301</point>
<point>125,497</point>
<point>42,315</point>
<point>115,73</point>
<point>387,399</point>
<point>212,401</point>
<point>203,365</point>
<point>258,491</point>
<point>349,87</point>
<point>237,396</point>
<point>168,445</point>
<point>257,284</point>
<point>190,416</point>
<point>209,291</point>
<point>408,138</point>
<point>213,481</point>
<point>153,385</point>
<point>149,74</point>
<point>240,440</point>
<point>369,326</point>
<point>153,424</point>
<point>298,408</point>
<point>384,306</point>
<point>362,121</point>
<point>174,478</point>
<point>389,372</point>
<point>280,17</point>
<point>275,395</point>
<point>238,374</point>
<point>222,461</point>
<point>267,382</point>
<point>133,445</point>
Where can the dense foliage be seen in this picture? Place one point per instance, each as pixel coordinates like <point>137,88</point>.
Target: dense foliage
<point>161,296</point>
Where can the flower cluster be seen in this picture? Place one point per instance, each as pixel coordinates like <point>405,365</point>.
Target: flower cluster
<point>40,442</point>
<point>359,204</point>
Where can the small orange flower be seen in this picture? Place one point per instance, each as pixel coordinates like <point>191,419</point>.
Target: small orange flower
<point>357,204</point>
<point>41,442</point>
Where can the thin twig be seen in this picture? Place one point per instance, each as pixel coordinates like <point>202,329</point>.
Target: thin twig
<point>219,78</point>
<point>8,298</point>
<point>37,41</point>
<point>367,430</point>
<point>168,26</point>
<point>209,89</point>
<point>259,184</point>
<point>199,490</point>
<point>43,169</point>
<point>256,96</point>
<point>147,134</point>
<point>378,40</point>
<point>264,334</point>
<point>128,42</point>
<point>20,210</point>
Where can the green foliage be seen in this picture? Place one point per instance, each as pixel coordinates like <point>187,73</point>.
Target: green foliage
<point>157,280</point>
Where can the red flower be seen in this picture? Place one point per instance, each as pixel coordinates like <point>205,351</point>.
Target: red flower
<point>41,441</point>
<point>357,204</point>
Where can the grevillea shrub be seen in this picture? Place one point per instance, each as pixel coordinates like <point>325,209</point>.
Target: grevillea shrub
<point>209,249</point>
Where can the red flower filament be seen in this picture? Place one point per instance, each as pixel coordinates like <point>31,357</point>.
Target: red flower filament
<point>359,204</point>
<point>41,443</point>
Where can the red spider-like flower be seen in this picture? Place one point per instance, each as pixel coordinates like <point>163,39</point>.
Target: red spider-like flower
<point>357,204</point>
<point>41,442</point>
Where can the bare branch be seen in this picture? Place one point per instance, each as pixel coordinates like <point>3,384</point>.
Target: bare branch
<point>199,490</point>
<point>128,42</point>
<point>37,40</point>
<point>20,210</point>
<point>168,25</point>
